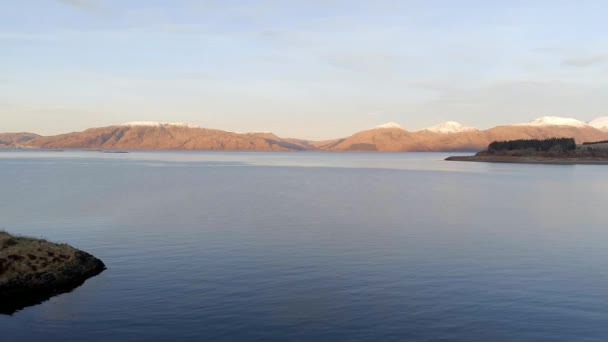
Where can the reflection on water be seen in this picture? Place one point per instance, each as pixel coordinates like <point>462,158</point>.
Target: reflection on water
<point>313,246</point>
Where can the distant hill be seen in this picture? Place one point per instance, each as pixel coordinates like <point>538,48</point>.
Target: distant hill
<point>165,136</point>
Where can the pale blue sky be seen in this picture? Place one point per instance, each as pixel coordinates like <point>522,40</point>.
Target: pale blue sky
<point>311,69</point>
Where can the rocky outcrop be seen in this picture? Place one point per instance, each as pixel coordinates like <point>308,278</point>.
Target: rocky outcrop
<point>33,270</point>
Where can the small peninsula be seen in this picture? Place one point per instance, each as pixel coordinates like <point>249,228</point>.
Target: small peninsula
<point>33,270</point>
<point>546,151</point>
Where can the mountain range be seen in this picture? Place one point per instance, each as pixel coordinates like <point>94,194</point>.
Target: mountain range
<point>389,137</point>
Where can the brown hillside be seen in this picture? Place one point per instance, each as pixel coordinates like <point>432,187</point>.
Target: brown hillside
<point>395,139</point>
<point>392,139</point>
<point>164,137</point>
<point>16,139</point>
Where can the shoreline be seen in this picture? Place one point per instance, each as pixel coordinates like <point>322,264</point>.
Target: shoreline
<point>530,160</point>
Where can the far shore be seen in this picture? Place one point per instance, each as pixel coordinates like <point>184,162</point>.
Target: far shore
<point>533,160</point>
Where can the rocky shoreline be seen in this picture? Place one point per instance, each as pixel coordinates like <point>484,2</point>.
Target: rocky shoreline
<point>33,270</point>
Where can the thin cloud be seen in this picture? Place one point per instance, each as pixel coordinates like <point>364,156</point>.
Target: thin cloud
<point>85,5</point>
<point>364,61</point>
<point>583,62</point>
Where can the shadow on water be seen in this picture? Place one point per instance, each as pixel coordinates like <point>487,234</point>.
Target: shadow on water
<point>11,302</point>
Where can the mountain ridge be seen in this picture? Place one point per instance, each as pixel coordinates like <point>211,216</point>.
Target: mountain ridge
<point>390,137</point>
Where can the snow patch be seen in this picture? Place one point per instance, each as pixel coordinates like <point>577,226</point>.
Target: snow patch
<point>158,124</point>
<point>450,127</point>
<point>390,125</point>
<point>554,121</point>
<point>600,123</point>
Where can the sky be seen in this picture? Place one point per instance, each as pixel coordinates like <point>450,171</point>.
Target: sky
<point>315,69</point>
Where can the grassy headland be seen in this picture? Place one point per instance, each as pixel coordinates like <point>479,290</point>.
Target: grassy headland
<point>33,270</point>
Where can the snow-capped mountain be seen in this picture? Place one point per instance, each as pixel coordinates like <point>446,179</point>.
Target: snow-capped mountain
<point>390,125</point>
<point>554,121</point>
<point>600,123</point>
<point>158,124</point>
<point>467,138</point>
<point>450,127</point>
<point>389,137</point>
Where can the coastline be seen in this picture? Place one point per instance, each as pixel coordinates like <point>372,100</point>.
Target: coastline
<point>531,160</point>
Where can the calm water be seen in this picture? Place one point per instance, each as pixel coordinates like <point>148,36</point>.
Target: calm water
<point>314,246</point>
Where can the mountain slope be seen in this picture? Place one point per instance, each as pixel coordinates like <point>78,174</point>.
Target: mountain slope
<point>8,140</point>
<point>164,136</point>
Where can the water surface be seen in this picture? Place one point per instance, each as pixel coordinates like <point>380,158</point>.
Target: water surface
<point>308,246</point>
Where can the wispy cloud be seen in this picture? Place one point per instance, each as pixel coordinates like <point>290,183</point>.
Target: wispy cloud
<point>586,61</point>
<point>361,61</point>
<point>85,5</point>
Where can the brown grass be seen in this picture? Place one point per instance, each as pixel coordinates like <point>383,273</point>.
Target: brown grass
<point>22,255</point>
